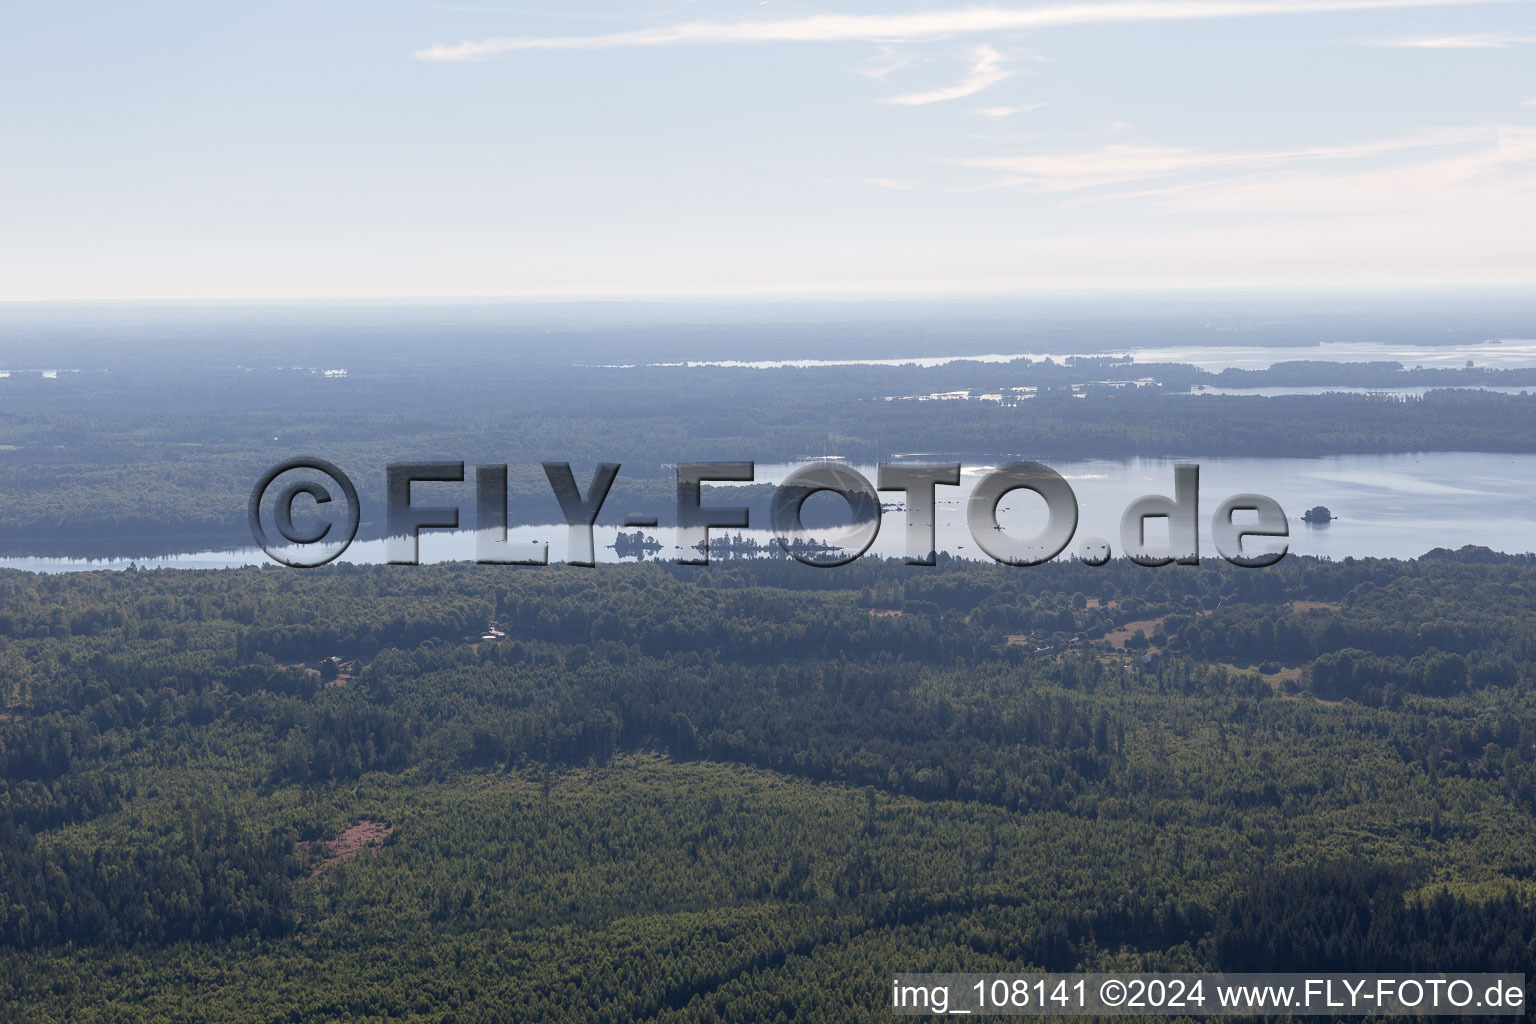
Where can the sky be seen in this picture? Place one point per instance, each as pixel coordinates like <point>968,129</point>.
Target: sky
<point>761,147</point>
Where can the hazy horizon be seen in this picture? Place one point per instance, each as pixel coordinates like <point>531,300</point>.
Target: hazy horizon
<point>731,148</point>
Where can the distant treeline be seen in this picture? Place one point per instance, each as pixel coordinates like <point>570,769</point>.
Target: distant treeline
<point>99,464</point>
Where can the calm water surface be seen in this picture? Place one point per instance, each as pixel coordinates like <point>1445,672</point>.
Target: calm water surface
<point>1396,506</point>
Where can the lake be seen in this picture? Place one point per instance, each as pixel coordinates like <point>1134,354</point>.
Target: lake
<point>1504,353</point>
<point>1025,393</point>
<point>1395,506</point>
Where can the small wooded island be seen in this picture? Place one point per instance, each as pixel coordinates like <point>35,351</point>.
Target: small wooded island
<point>1318,514</point>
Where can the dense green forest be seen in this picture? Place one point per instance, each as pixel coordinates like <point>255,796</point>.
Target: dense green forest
<point>750,791</point>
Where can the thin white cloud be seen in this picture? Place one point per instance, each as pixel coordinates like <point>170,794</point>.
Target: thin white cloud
<point>986,71</point>
<point>887,28</point>
<point>1497,178</point>
<point>1122,164</point>
<point>890,61</point>
<point>1529,101</point>
<point>1000,112</point>
<point>1475,41</point>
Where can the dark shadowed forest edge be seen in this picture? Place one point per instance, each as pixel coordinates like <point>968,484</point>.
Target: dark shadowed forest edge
<point>753,791</point>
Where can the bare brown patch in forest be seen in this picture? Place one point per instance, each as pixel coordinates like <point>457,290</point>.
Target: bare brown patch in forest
<point>349,844</point>
<point>1307,606</point>
<point>1118,637</point>
<point>883,612</point>
<point>1274,679</point>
